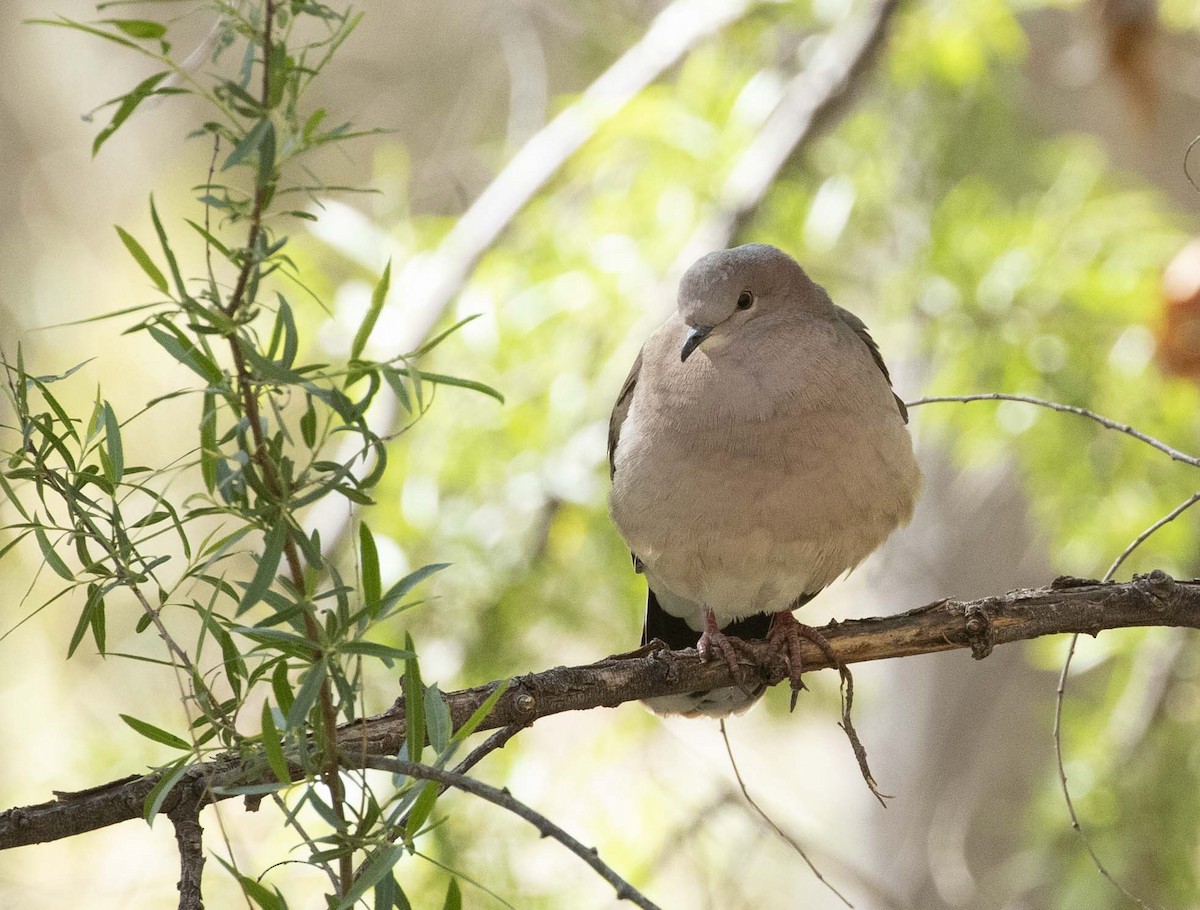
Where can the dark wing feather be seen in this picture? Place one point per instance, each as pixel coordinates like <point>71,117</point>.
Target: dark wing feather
<point>860,329</point>
<point>619,412</point>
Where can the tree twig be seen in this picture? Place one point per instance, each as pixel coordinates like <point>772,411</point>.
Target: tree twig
<point>812,99</point>
<point>1068,605</point>
<point>1067,409</point>
<point>787,838</point>
<point>506,800</point>
<point>1060,694</point>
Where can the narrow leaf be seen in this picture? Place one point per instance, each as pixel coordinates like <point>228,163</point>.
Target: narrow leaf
<point>248,144</point>
<point>369,556</point>
<point>128,105</point>
<point>142,258</point>
<point>172,263</point>
<point>368,324</point>
<point>410,581</point>
<point>112,438</point>
<point>421,808</point>
<point>414,703</point>
<point>268,563</point>
<point>171,775</point>
<point>378,865</point>
<point>95,601</point>
<point>306,695</point>
<point>480,714</point>
<point>273,745</point>
<point>53,560</point>
<point>156,733</point>
<point>209,454</point>
<point>453,896</point>
<point>282,687</point>
<point>437,719</point>
<point>139,28</point>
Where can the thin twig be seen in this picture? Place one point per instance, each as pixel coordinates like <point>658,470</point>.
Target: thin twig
<point>506,800</point>
<point>1060,692</point>
<point>497,740</point>
<point>787,838</point>
<point>1068,409</point>
<point>847,693</point>
<point>1060,697</point>
<point>1141,538</point>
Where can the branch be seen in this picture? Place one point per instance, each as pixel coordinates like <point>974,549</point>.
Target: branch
<point>1067,605</point>
<point>813,99</point>
<point>505,800</point>
<point>190,838</point>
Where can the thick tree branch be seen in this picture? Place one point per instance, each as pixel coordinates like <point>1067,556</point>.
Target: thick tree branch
<point>1068,605</point>
<point>190,838</point>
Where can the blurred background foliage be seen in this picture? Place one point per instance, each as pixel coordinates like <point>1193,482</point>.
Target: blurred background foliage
<point>999,201</point>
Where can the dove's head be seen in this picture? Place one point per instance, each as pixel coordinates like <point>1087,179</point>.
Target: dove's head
<point>735,293</point>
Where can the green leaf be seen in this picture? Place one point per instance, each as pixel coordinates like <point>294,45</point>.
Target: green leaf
<point>453,896</point>
<point>386,653</point>
<point>53,560</point>
<point>421,808</point>
<point>89,620</point>
<point>286,326</point>
<point>308,424</point>
<point>249,143</point>
<point>442,336</point>
<point>155,733</point>
<point>209,238</point>
<point>437,719</point>
<point>142,258</point>
<point>414,703</point>
<point>209,453</point>
<point>306,695</point>
<point>410,581</point>
<point>11,494</point>
<point>172,263</point>
<point>378,865</point>
<point>273,745</point>
<point>459,382</point>
<point>128,105</point>
<point>480,714</point>
<point>282,687</point>
<point>369,556</point>
<point>268,563</point>
<point>253,890</point>
<point>171,775</point>
<point>112,438</point>
<point>389,894</point>
<point>266,157</point>
<point>368,324</point>
<point>139,28</point>
<point>63,22</point>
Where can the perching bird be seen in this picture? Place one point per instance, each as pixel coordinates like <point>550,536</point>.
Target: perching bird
<point>757,452</point>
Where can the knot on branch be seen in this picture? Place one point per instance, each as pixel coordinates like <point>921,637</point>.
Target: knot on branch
<point>1157,585</point>
<point>980,634</point>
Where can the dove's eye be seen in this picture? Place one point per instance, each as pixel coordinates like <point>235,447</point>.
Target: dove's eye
<point>745,301</point>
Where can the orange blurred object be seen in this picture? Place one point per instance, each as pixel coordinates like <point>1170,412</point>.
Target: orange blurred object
<point>1178,352</point>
